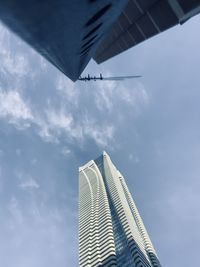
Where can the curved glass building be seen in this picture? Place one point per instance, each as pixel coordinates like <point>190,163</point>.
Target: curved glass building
<point>111,231</point>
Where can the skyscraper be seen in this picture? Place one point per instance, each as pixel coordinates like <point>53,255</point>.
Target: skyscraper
<point>111,231</point>
<point>65,32</point>
<point>142,19</point>
<point>69,33</point>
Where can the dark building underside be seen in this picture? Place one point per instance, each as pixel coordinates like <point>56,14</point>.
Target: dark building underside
<point>69,33</point>
<point>65,32</point>
<point>142,19</point>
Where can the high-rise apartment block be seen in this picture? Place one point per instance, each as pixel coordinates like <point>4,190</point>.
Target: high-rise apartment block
<point>111,231</point>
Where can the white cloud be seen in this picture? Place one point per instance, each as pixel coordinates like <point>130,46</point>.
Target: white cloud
<point>59,120</point>
<point>14,209</point>
<point>11,63</point>
<point>110,94</point>
<point>104,95</point>
<point>13,107</point>
<point>13,70</point>
<point>67,89</point>
<point>59,123</point>
<point>16,64</point>
<point>103,135</point>
<point>65,151</point>
<point>54,124</point>
<point>43,63</point>
<point>30,183</point>
<point>44,131</point>
<point>4,40</point>
<point>134,96</point>
<point>26,181</point>
<point>134,158</point>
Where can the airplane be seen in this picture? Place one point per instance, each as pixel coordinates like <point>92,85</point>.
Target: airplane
<point>101,78</point>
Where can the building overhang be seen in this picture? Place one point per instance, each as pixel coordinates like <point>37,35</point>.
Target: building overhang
<point>67,33</point>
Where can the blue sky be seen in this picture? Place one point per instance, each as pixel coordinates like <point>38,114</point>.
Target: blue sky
<point>50,126</point>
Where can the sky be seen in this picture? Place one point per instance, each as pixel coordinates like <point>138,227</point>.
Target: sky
<point>149,126</point>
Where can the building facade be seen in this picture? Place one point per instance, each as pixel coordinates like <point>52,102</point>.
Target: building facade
<point>69,33</point>
<point>142,19</point>
<point>111,231</point>
<point>65,32</point>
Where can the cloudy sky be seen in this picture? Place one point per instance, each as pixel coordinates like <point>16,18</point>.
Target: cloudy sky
<point>50,126</point>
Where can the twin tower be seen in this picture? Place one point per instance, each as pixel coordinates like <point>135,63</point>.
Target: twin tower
<point>111,231</point>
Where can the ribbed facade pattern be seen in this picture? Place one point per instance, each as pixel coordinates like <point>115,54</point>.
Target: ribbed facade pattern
<point>141,20</point>
<point>111,231</point>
